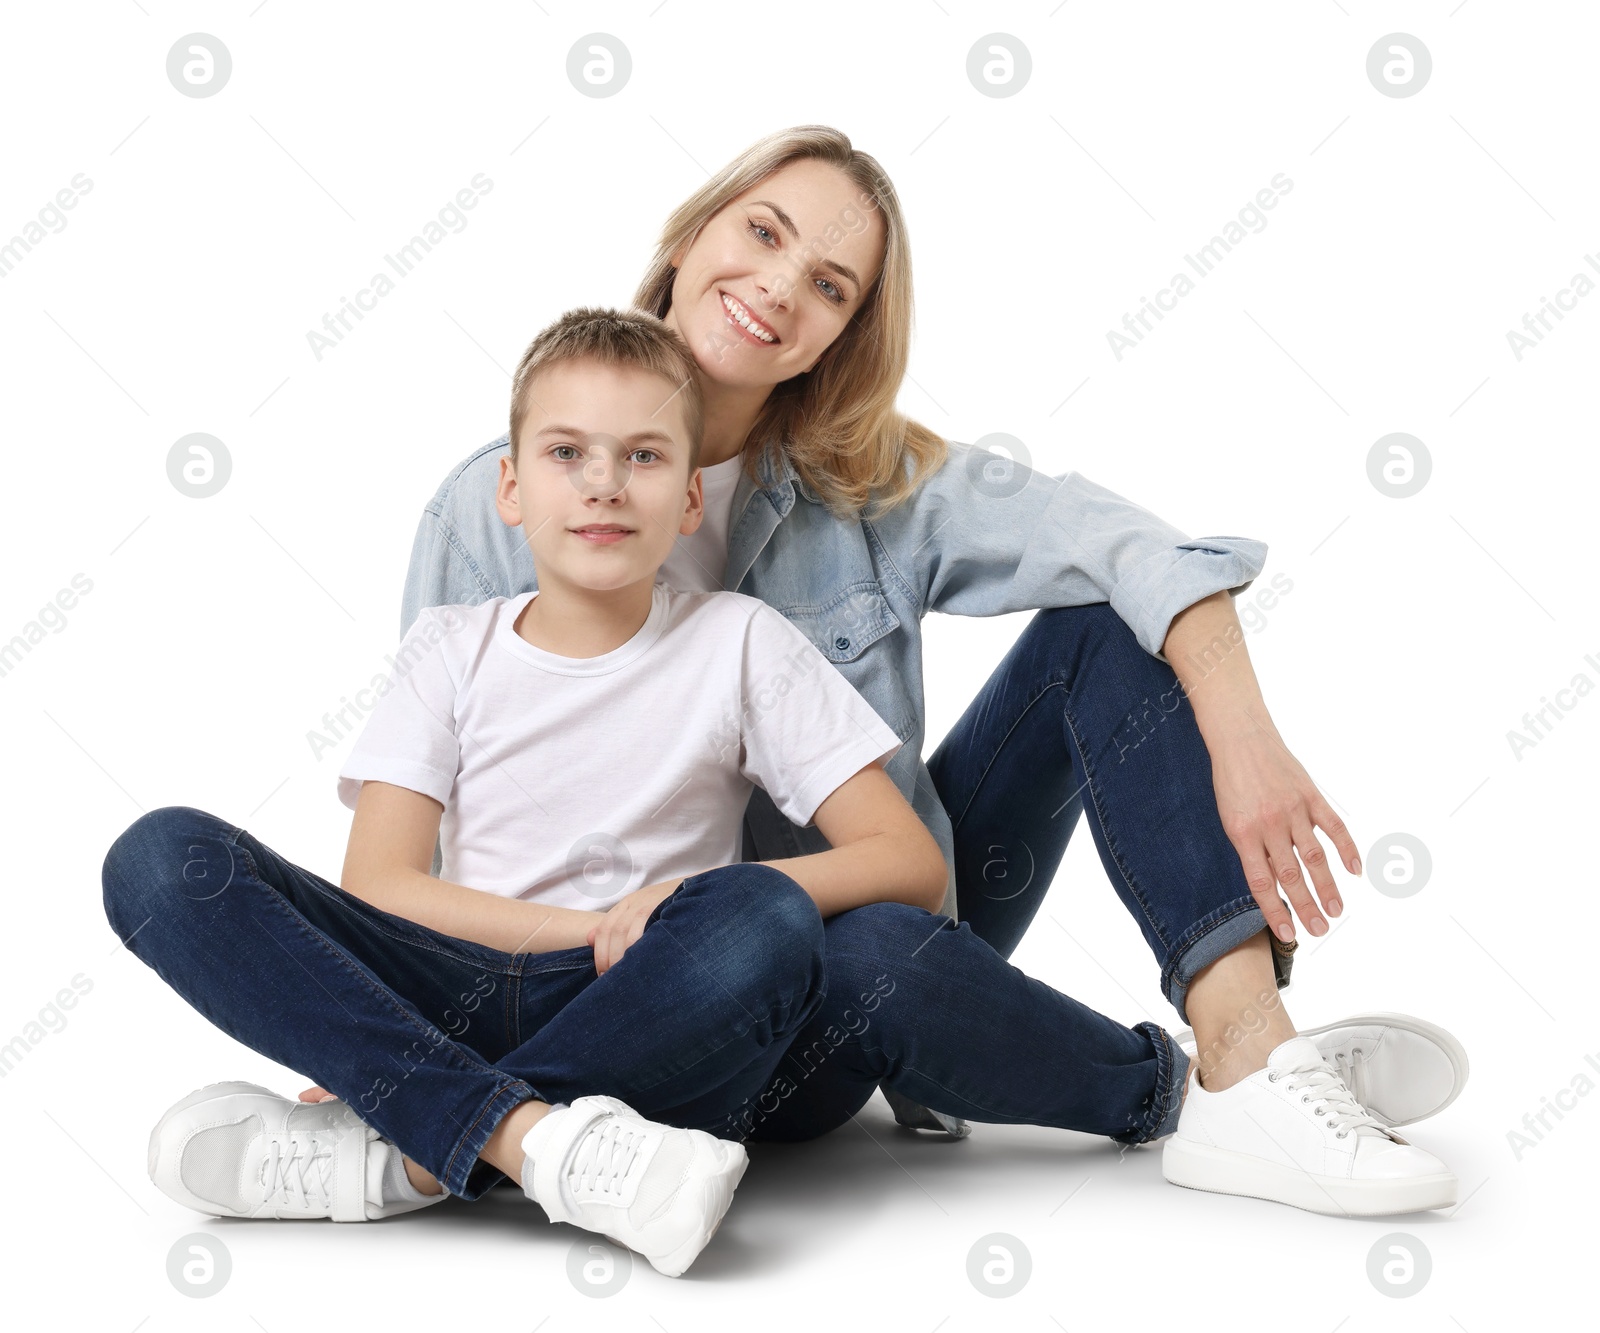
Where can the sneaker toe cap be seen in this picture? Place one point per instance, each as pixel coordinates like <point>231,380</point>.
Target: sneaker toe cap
<point>1383,1159</point>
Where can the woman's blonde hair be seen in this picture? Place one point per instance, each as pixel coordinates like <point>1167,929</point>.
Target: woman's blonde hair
<point>837,423</point>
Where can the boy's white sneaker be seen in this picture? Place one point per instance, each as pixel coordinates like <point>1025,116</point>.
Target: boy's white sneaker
<point>653,1188</point>
<point>240,1150</point>
<point>1294,1133</point>
<point>1401,1069</point>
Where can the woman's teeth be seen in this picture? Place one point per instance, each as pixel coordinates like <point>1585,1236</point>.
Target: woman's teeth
<point>741,317</point>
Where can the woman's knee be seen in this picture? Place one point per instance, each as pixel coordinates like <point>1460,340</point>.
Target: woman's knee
<point>1095,629</point>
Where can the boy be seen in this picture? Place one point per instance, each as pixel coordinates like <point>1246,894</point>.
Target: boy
<point>579,752</point>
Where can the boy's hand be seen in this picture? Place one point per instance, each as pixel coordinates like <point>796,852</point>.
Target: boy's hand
<point>623,922</point>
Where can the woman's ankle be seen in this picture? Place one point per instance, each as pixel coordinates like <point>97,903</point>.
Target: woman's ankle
<point>1237,1015</point>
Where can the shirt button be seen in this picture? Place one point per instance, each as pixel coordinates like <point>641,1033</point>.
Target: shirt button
<point>841,643</point>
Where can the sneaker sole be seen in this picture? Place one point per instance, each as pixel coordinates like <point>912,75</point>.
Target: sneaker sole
<point>716,1196</point>
<point>1197,1166</point>
<point>1454,1051</point>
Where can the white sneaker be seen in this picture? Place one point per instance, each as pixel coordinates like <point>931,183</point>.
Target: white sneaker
<point>1294,1133</point>
<point>240,1150</point>
<point>649,1187</point>
<point>1401,1069</point>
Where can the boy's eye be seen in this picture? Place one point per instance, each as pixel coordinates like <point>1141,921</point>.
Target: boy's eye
<point>572,454</point>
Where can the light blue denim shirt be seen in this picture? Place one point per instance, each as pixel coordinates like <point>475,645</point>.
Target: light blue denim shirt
<point>980,537</point>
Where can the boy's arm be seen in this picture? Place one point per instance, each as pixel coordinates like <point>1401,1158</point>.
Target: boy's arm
<point>387,861</point>
<point>881,851</point>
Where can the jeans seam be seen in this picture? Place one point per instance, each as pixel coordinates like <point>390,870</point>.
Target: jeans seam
<point>1000,744</point>
<point>513,1003</point>
<point>1091,783</point>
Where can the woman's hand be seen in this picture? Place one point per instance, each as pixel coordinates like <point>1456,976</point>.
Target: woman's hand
<point>623,922</point>
<point>1269,805</point>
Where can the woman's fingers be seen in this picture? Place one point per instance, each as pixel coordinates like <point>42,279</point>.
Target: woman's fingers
<point>317,1095</point>
<point>1258,875</point>
<point>1323,817</point>
<point>1287,868</point>
<point>1315,861</point>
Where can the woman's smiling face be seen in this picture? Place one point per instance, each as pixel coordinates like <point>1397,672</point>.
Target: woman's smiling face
<point>773,278</point>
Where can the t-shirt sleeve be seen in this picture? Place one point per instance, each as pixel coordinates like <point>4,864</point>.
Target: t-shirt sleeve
<point>804,729</point>
<point>409,738</point>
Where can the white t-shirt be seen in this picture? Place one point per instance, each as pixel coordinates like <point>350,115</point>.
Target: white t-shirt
<point>575,781</point>
<point>699,562</point>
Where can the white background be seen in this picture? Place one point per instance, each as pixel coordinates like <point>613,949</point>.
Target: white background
<point>218,232</point>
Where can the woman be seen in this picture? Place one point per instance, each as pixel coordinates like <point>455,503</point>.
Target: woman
<point>789,275</point>
<point>789,278</point>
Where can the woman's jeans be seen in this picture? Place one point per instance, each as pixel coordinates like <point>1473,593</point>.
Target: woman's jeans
<point>738,1010</point>
<point>1076,716</point>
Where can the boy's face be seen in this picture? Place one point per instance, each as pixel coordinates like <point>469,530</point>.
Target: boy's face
<point>600,447</point>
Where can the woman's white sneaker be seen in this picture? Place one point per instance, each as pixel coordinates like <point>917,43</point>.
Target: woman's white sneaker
<point>241,1150</point>
<point>653,1188</point>
<point>1294,1133</point>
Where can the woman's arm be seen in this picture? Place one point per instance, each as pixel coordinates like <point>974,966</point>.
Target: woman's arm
<point>984,536</point>
<point>1267,801</point>
<point>391,847</point>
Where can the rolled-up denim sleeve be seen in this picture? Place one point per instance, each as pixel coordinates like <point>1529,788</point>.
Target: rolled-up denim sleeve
<point>984,536</point>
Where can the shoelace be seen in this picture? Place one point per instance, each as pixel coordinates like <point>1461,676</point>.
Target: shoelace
<point>289,1175</point>
<point>1325,1086</point>
<point>603,1157</point>
<point>1353,1070</point>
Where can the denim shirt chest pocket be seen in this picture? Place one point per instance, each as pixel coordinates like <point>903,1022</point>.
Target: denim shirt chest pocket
<point>847,624</point>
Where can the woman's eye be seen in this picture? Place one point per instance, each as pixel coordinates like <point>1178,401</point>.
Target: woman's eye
<point>759,227</point>
<point>833,294</point>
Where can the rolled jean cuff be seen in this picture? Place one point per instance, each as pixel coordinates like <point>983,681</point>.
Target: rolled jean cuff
<point>464,1175</point>
<point>1172,1073</point>
<point>1214,935</point>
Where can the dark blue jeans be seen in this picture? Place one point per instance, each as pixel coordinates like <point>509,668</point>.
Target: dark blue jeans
<point>738,1010</point>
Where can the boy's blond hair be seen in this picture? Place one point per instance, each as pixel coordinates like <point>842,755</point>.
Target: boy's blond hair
<point>615,338</point>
